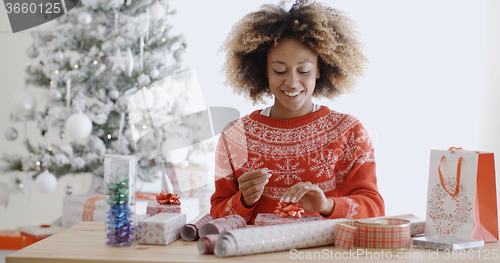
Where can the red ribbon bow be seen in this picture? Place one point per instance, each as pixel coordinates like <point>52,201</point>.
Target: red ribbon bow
<point>164,198</point>
<point>289,209</point>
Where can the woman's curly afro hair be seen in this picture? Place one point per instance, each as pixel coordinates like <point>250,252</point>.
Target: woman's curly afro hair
<point>328,32</point>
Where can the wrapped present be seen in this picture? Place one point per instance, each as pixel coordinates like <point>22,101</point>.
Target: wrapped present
<point>12,239</point>
<point>15,239</point>
<point>76,207</point>
<point>268,219</point>
<point>155,208</point>
<point>41,231</point>
<point>160,229</point>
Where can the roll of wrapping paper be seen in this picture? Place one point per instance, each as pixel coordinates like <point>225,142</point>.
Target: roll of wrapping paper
<point>255,240</point>
<point>189,231</point>
<point>221,224</point>
<point>206,244</point>
<point>374,233</point>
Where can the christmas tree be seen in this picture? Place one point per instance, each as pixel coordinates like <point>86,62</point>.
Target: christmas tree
<point>93,65</point>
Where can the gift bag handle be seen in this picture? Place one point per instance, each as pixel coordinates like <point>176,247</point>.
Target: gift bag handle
<point>459,168</point>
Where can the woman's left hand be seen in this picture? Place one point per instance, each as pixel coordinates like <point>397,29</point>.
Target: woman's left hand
<point>310,197</point>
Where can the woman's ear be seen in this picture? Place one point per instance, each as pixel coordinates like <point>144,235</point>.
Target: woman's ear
<point>318,75</point>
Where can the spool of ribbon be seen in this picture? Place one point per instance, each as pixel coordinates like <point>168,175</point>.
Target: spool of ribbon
<point>289,209</point>
<point>164,198</point>
<point>373,233</point>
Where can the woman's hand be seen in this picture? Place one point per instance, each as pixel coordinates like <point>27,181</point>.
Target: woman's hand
<point>251,185</point>
<point>310,197</point>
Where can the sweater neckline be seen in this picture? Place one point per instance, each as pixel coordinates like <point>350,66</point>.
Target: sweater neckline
<point>291,123</point>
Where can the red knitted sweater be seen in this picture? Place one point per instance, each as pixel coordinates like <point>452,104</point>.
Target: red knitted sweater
<point>330,149</point>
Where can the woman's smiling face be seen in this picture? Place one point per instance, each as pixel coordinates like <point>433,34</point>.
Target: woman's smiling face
<point>292,70</point>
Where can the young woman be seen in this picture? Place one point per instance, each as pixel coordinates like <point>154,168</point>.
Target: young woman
<point>295,150</point>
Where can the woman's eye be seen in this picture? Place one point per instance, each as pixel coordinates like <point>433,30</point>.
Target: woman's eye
<point>279,72</point>
<point>304,72</point>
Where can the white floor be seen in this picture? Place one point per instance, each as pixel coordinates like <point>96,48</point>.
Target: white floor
<point>4,253</point>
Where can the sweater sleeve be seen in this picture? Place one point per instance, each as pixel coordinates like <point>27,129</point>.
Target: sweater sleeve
<point>226,199</point>
<point>357,181</point>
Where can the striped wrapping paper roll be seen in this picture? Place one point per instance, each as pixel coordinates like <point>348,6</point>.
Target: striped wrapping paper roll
<point>255,240</point>
<point>189,231</point>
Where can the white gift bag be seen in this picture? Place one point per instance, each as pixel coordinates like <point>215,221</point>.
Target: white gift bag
<point>461,198</point>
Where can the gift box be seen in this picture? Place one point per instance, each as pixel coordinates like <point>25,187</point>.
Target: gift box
<point>155,208</point>
<point>268,219</point>
<point>15,239</point>
<point>160,229</point>
<point>12,239</point>
<point>74,207</point>
<point>40,232</point>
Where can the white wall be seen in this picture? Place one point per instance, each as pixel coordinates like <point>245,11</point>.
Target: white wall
<point>430,85</point>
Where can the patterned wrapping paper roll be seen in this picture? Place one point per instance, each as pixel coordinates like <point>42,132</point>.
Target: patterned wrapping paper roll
<point>255,240</point>
<point>206,244</point>
<point>189,231</point>
<point>221,224</point>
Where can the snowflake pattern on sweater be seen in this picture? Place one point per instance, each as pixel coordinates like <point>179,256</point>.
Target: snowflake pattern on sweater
<point>329,149</point>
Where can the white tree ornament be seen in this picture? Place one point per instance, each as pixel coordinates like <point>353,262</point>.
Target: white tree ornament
<point>46,182</point>
<point>156,11</point>
<point>119,62</point>
<point>78,126</point>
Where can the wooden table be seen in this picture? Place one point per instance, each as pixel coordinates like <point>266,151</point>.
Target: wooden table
<point>85,242</point>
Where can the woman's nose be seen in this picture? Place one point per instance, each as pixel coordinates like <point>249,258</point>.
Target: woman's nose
<point>292,79</point>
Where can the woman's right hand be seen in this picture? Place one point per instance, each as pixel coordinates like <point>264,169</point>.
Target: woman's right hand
<point>251,185</point>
